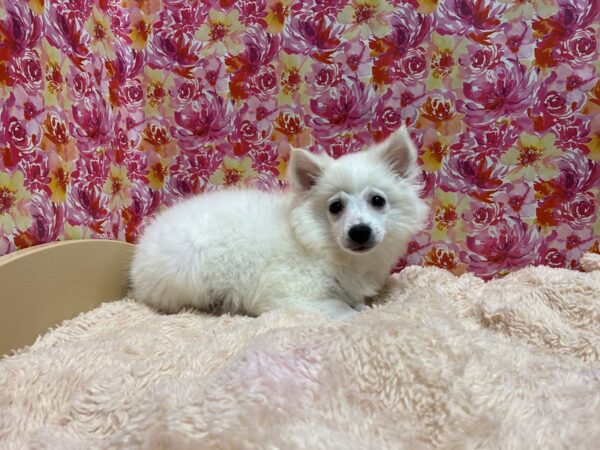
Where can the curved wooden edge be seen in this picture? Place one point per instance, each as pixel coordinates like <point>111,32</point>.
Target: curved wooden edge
<point>43,285</point>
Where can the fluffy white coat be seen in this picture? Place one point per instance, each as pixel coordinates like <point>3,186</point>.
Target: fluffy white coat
<point>251,252</point>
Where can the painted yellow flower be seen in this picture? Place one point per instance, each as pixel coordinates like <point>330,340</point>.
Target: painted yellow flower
<point>98,26</point>
<point>527,9</point>
<point>117,186</point>
<point>13,202</point>
<point>222,33</point>
<point>157,83</point>
<point>532,157</point>
<point>56,67</point>
<point>158,169</point>
<point>447,216</point>
<point>277,12</point>
<point>141,27</point>
<point>444,54</point>
<point>435,147</point>
<point>366,18</point>
<point>234,172</point>
<point>59,179</point>
<point>293,70</point>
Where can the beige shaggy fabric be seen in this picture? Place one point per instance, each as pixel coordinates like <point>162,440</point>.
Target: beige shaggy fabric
<point>445,362</point>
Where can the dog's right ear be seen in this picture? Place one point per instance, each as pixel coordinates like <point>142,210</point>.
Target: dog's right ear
<point>303,169</point>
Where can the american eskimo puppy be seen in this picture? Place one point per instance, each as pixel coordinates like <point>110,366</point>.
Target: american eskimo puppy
<point>324,245</point>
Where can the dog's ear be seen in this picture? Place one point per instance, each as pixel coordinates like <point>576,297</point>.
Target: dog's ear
<point>400,152</point>
<point>303,169</point>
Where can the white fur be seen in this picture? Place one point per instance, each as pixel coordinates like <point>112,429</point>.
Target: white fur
<point>251,251</point>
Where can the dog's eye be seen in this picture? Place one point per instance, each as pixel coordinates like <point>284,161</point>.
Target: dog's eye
<point>336,207</point>
<point>378,201</point>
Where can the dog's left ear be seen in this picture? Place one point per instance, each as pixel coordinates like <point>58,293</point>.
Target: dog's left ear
<point>400,152</point>
<point>303,169</point>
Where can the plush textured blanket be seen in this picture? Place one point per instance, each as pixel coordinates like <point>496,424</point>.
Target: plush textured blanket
<point>441,361</point>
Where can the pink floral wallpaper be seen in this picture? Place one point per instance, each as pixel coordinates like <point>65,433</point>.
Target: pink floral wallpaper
<point>111,109</point>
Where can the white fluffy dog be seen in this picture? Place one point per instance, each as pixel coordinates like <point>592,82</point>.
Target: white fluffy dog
<point>324,245</point>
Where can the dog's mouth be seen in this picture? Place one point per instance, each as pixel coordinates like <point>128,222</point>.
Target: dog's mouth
<point>364,248</point>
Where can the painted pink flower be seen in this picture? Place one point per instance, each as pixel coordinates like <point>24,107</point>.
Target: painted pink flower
<point>260,48</point>
<point>65,31</point>
<point>190,173</point>
<point>91,170</point>
<point>323,77</point>
<point>37,172</point>
<point>249,132</point>
<point>318,9</point>
<point>128,62</point>
<point>185,91</point>
<point>417,248</point>
<point>310,37</point>
<point>81,84</point>
<point>477,19</point>
<point>264,83</point>
<point>573,133</point>
<point>265,160</point>
<point>429,182</point>
<point>214,75</point>
<point>507,245</point>
<point>411,68</point>
<point>172,49</point>
<point>409,29</point>
<point>16,131</point>
<point>567,35</point>
<point>518,199</point>
<point>488,142</point>
<point>480,59</point>
<point>399,105</point>
<point>131,95</point>
<point>570,79</point>
<point>338,146</point>
<point>464,172</point>
<point>252,12</point>
<point>207,119</point>
<point>47,222</point>
<point>518,39</point>
<point>482,215</point>
<point>87,205</point>
<point>183,17</point>
<point>346,106</point>
<point>144,204</point>
<point>507,89</point>
<point>20,29</point>
<point>552,257</point>
<point>572,242</point>
<point>554,104</point>
<point>355,57</point>
<point>27,71</point>
<point>579,211</point>
<point>93,122</point>
<point>566,196</point>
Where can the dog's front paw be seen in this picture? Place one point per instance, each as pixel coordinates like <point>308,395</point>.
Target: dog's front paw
<point>361,307</point>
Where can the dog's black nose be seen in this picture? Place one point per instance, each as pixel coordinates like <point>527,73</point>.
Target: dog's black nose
<point>360,233</point>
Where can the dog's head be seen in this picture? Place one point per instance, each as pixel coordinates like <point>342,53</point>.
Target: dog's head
<point>360,203</point>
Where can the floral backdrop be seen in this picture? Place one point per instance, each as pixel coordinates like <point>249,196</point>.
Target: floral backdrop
<point>112,109</point>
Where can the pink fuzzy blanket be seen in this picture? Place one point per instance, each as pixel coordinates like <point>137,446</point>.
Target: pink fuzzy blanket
<point>441,361</point>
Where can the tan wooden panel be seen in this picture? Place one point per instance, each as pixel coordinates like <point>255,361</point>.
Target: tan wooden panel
<point>44,285</point>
